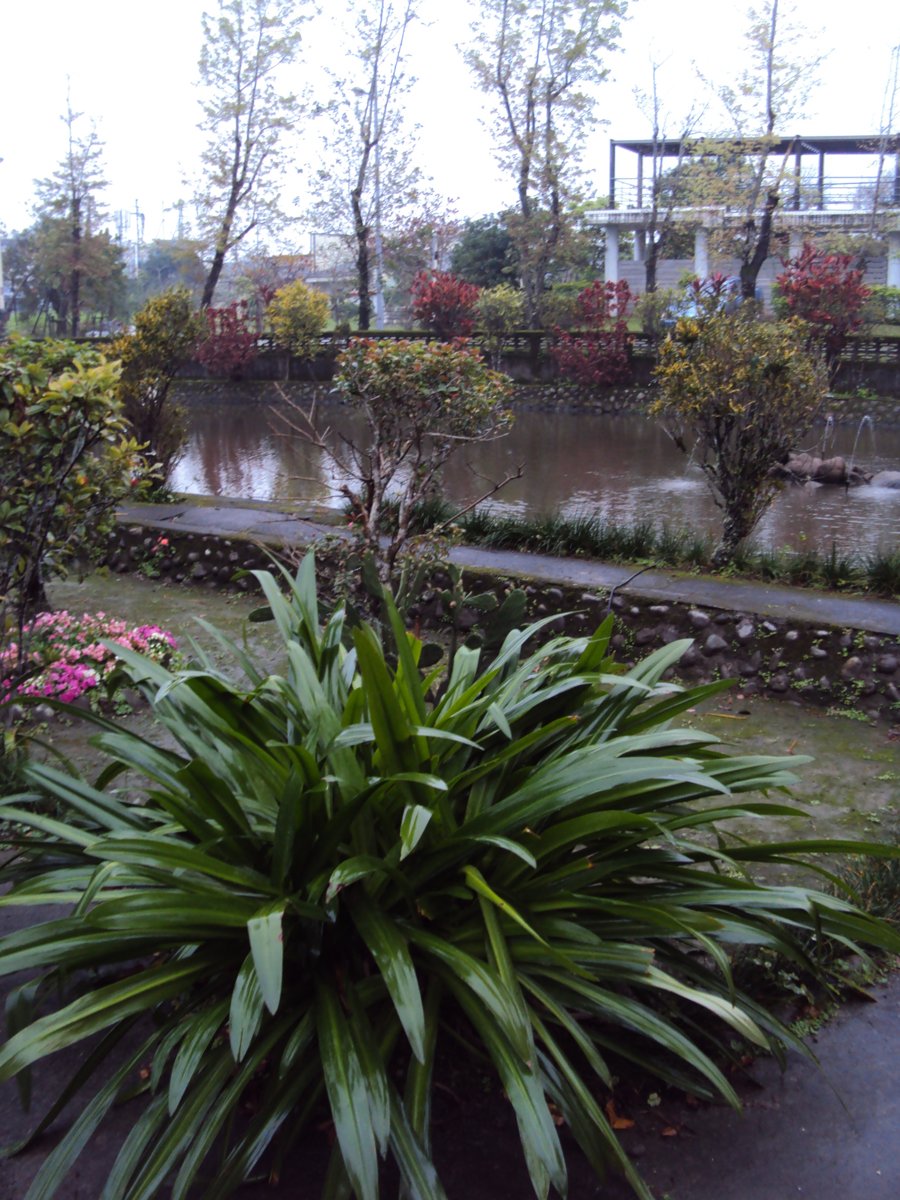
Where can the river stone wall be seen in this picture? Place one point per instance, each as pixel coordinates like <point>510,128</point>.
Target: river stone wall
<point>850,670</point>
<point>551,396</point>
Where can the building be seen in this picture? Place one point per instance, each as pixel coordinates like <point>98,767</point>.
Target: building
<point>817,195</point>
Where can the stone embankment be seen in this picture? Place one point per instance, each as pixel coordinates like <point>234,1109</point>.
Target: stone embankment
<point>799,646</point>
<point>548,396</point>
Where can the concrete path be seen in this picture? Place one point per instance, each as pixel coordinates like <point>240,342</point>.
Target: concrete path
<point>267,523</point>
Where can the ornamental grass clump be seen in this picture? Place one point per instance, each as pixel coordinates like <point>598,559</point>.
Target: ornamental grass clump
<point>329,872</point>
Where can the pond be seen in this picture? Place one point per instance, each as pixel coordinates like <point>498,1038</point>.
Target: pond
<point>621,468</point>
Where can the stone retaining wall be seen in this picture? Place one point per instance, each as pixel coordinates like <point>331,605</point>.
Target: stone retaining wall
<point>841,668</point>
<point>552,396</point>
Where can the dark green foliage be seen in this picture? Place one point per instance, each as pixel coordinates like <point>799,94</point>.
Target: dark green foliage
<point>484,254</point>
<point>166,333</point>
<point>883,573</point>
<point>874,884</point>
<point>335,868</point>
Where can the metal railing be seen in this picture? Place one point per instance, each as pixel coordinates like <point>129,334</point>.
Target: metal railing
<point>838,194</point>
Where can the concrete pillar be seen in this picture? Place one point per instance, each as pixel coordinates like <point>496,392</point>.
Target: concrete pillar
<point>795,243</point>
<point>612,254</point>
<point>701,252</point>
<point>639,250</point>
<point>893,261</point>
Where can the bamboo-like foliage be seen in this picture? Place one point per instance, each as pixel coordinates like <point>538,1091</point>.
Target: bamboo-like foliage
<point>335,866</point>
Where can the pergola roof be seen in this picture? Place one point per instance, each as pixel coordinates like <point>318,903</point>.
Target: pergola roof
<point>870,143</point>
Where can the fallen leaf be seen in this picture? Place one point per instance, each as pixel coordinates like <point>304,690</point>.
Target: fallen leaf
<point>615,1120</point>
<point>670,1131</point>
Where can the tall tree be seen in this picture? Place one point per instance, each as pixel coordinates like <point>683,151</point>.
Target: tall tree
<point>72,253</point>
<point>660,229</point>
<point>484,254</point>
<point>246,117</point>
<point>371,178</point>
<point>540,61</point>
<point>771,91</point>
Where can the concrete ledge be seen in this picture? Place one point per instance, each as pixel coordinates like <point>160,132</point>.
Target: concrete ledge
<point>801,646</point>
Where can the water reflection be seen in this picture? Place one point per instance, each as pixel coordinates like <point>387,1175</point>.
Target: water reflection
<point>624,469</point>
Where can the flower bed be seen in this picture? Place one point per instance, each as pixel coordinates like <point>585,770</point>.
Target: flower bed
<point>68,657</point>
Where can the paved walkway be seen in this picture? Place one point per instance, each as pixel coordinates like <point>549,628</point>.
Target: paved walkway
<point>271,524</point>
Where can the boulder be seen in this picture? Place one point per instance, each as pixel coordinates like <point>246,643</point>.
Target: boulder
<point>887,479</point>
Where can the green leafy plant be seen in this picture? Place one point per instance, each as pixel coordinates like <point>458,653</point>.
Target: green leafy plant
<point>335,870</point>
<point>420,402</point>
<point>297,315</point>
<point>499,310</point>
<point>737,393</point>
<point>166,333</point>
<point>66,461</point>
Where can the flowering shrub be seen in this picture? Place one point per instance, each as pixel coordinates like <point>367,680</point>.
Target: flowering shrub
<point>158,558</point>
<point>67,658</point>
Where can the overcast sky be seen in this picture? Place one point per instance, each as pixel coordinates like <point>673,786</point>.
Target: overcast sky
<point>133,65</point>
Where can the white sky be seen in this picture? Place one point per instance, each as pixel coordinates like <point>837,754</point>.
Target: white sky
<point>133,66</point>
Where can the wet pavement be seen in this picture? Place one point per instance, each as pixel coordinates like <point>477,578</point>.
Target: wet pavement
<point>266,523</point>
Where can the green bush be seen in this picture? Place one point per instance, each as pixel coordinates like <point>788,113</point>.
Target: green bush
<point>499,311</point>
<point>883,306</point>
<point>337,869</point>
<point>166,333</point>
<point>738,394</point>
<point>65,463</point>
<point>297,315</point>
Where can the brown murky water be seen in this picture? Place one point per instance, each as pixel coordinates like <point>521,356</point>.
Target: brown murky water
<point>623,469</point>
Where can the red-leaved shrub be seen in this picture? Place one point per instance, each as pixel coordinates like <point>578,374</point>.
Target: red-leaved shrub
<point>827,292</point>
<point>596,351</point>
<point>230,342</point>
<point>444,304</point>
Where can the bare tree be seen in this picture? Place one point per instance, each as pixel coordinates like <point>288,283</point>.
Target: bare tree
<point>663,195</point>
<point>371,176</point>
<point>540,61</point>
<point>246,44</point>
<point>773,89</point>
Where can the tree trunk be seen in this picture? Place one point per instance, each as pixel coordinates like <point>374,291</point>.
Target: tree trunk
<point>361,233</point>
<point>212,278</point>
<point>75,276</point>
<point>736,528</point>
<point>650,261</point>
<point>223,241</point>
<point>752,265</point>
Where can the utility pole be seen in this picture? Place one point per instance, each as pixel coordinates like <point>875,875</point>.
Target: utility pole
<point>379,248</point>
<point>138,238</point>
